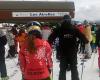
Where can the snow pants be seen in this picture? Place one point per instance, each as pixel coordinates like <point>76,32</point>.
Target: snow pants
<point>3,70</point>
<point>12,51</point>
<point>93,47</point>
<point>57,53</point>
<point>64,62</point>
<point>82,47</point>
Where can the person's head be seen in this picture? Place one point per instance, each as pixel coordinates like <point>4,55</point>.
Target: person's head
<point>14,31</point>
<point>33,33</point>
<point>66,21</point>
<point>21,31</point>
<point>66,17</point>
<point>86,23</point>
<point>15,26</point>
<point>94,25</point>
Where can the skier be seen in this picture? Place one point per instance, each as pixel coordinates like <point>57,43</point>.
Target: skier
<point>80,26</point>
<point>21,37</point>
<point>98,45</point>
<point>11,44</point>
<point>35,56</point>
<point>3,42</point>
<point>15,33</point>
<point>68,47</point>
<point>93,43</point>
<point>46,31</point>
<point>87,32</point>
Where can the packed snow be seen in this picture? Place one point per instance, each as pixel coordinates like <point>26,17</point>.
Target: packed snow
<point>90,71</point>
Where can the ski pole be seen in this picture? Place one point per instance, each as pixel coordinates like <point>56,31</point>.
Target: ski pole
<point>52,63</point>
<point>53,52</point>
<point>82,69</point>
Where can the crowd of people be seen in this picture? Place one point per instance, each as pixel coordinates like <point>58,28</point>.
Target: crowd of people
<point>33,45</point>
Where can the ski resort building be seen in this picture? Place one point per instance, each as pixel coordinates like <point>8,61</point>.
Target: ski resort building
<point>23,11</point>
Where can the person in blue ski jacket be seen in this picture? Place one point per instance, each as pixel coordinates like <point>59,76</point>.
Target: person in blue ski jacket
<point>68,46</point>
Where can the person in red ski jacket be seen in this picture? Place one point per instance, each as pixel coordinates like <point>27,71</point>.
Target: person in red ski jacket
<point>35,57</point>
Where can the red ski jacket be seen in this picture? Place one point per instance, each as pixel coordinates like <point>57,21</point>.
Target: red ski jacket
<point>35,66</point>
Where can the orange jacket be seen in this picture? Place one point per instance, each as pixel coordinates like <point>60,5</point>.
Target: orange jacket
<point>21,39</point>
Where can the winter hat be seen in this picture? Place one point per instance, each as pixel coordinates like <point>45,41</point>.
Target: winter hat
<point>86,22</point>
<point>67,17</point>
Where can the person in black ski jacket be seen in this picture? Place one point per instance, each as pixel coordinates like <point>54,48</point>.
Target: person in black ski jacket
<point>98,45</point>
<point>3,70</point>
<point>68,46</point>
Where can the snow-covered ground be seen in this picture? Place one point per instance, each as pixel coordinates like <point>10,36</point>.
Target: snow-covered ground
<point>91,71</point>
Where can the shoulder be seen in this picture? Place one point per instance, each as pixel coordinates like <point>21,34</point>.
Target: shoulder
<point>46,43</point>
<point>24,45</point>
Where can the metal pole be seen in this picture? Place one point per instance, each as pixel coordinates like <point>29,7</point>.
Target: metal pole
<point>82,69</point>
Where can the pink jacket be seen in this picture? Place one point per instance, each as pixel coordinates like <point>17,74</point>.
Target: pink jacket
<point>35,66</point>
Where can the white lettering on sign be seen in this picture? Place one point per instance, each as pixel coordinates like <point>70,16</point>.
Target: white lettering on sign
<point>38,14</point>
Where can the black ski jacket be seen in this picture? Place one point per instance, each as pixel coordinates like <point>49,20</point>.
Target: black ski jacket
<point>68,38</point>
<point>98,38</point>
<point>3,41</point>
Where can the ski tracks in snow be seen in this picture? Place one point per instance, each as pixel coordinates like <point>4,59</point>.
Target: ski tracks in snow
<point>13,69</point>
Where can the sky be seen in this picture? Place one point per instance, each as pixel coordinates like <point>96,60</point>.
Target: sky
<point>87,9</point>
<point>84,9</point>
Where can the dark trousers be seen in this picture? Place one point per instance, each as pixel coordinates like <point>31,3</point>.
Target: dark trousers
<point>93,47</point>
<point>82,47</point>
<point>64,62</point>
<point>3,70</point>
<point>57,52</point>
<point>12,51</point>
